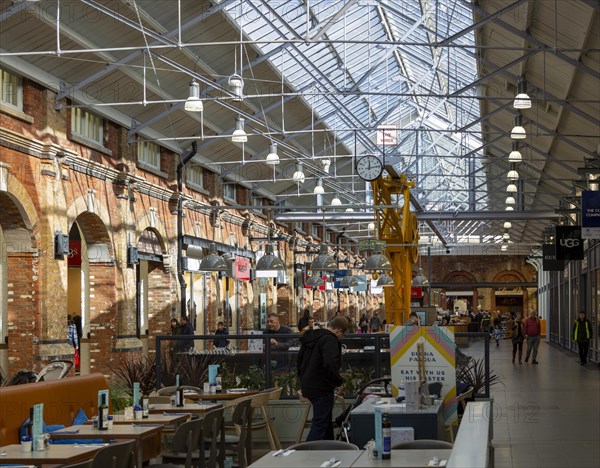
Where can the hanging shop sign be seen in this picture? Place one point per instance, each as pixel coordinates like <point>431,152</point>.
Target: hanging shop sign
<point>338,275</point>
<point>362,283</point>
<point>590,214</point>
<point>242,268</point>
<point>387,135</point>
<point>416,292</point>
<point>549,261</point>
<point>569,244</point>
<point>74,256</point>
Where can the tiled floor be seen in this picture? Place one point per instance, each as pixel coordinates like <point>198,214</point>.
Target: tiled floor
<point>546,415</point>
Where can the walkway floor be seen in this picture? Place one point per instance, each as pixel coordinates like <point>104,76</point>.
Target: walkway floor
<point>546,415</point>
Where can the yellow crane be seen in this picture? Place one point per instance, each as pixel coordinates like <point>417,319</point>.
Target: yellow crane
<point>399,228</point>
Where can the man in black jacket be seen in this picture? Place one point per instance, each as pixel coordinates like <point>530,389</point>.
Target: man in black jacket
<point>582,334</point>
<point>319,362</point>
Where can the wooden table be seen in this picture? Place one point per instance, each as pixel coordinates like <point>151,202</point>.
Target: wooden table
<point>137,432</point>
<point>196,408</point>
<point>225,395</point>
<point>165,419</point>
<point>54,454</point>
<point>403,458</point>
<point>308,459</point>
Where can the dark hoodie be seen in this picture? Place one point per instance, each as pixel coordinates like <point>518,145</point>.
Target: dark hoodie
<point>319,363</point>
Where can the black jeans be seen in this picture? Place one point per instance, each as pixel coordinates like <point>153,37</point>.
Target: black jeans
<point>584,347</point>
<point>322,424</point>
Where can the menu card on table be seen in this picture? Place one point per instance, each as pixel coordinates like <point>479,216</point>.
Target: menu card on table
<point>37,429</point>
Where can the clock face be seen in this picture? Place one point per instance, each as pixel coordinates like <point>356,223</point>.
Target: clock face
<point>369,167</point>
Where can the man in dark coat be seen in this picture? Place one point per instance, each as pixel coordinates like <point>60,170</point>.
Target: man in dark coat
<point>319,362</point>
<point>187,329</point>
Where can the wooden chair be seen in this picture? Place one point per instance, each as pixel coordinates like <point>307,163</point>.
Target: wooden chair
<point>240,422</point>
<point>422,444</point>
<point>260,405</point>
<point>185,443</point>
<point>324,445</point>
<point>461,402</point>
<point>168,391</point>
<point>117,455</point>
<point>84,464</point>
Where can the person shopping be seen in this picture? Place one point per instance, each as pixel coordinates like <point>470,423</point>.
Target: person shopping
<point>532,330</point>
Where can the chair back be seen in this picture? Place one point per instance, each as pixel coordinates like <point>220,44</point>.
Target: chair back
<point>117,455</point>
<point>83,464</point>
<point>241,417</point>
<point>324,445</point>
<point>54,370</point>
<point>186,439</point>
<point>423,444</point>
<point>212,433</point>
<point>159,400</point>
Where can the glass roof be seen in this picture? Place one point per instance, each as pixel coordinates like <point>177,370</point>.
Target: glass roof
<point>373,63</point>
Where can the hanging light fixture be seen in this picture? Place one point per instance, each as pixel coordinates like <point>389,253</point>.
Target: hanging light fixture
<point>193,103</point>
<point>272,157</point>
<point>371,226</point>
<point>420,280</point>
<point>299,176</point>
<point>348,282</point>
<point>326,164</point>
<point>336,200</point>
<point>509,208</point>
<point>507,224</point>
<point>522,99</point>
<point>378,261</point>
<point>518,131</point>
<point>236,85</point>
<point>213,261</point>
<point>515,155</point>
<point>511,188</point>
<point>504,246</point>
<point>510,200</point>
<point>239,134</point>
<point>319,190</point>
<point>385,281</point>
<point>512,175</point>
<point>269,261</point>
<point>323,261</point>
<point>315,281</point>
<point>506,236</point>
<point>349,210</point>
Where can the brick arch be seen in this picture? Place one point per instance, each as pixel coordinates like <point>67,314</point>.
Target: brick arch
<point>154,224</point>
<point>508,276</point>
<point>460,277</point>
<point>93,225</point>
<point>20,224</point>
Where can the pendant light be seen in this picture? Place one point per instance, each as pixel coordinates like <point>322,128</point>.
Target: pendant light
<point>239,134</point>
<point>193,103</point>
<point>507,224</point>
<point>348,282</point>
<point>522,99</point>
<point>299,176</point>
<point>213,261</point>
<point>272,157</point>
<point>315,281</point>
<point>515,155</point>
<point>512,175</point>
<point>420,280</point>
<point>323,261</point>
<point>510,200</point>
<point>378,261</point>
<point>269,261</point>
<point>336,200</point>
<point>385,281</point>
<point>511,188</point>
<point>319,190</point>
<point>518,131</point>
<point>236,85</point>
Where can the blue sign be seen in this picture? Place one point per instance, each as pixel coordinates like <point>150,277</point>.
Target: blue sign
<point>590,214</point>
<point>362,283</point>
<point>338,275</point>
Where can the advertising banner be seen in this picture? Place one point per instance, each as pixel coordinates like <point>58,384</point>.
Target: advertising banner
<point>242,268</point>
<point>440,363</point>
<point>338,275</point>
<point>569,245</point>
<point>590,214</point>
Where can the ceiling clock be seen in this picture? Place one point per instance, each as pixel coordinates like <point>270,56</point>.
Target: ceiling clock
<point>369,167</point>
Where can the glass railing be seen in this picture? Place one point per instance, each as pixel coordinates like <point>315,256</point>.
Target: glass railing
<point>251,361</point>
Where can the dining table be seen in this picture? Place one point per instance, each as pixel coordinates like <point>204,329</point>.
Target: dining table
<point>230,394</point>
<point>410,458</point>
<point>165,418</point>
<point>307,459</point>
<point>195,408</point>
<point>52,455</point>
<point>137,431</point>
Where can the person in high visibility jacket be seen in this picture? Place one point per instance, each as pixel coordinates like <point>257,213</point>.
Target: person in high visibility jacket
<point>582,334</point>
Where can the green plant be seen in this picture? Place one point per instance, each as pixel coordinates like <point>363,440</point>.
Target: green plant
<point>135,367</point>
<point>288,381</point>
<point>254,378</point>
<point>472,373</point>
<point>120,397</point>
<point>355,379</point>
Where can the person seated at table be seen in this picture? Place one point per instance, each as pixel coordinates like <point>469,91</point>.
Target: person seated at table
<point>274,327</point>
<point>220,341</point>
<point>310,324</point>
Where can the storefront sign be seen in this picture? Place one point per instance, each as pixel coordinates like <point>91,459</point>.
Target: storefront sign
<point>74,258</point>
<point>439,360</point>
<point>416,292</point>
<point>569,245</point>
<point>549,262</point>
<point>338,275</point>
<point>590,214</point>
